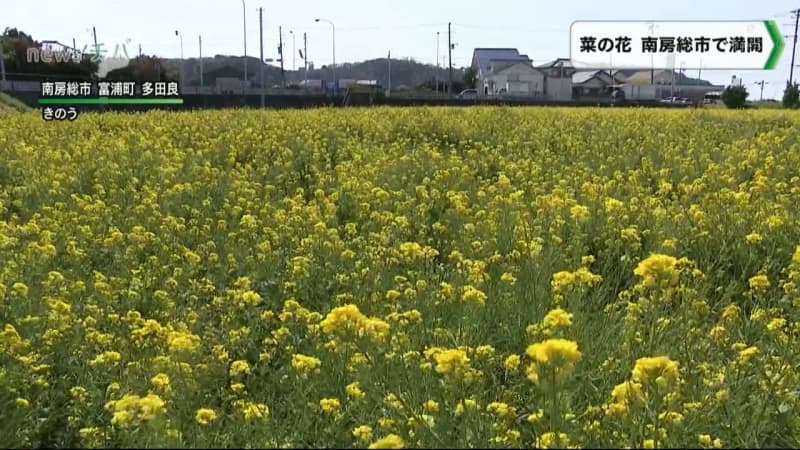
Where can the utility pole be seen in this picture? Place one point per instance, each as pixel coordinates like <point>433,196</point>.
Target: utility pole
<point>672,85</point>
<point>294,52</point>
<point>305,57</point>
<point>652,60</point>
<point>140,47</point>
<point>261,55</point>
<point>699,72</point>
<point>437,63</point>
<point>389,88</point>
<point>794,46</point>
<point>280,52</point>
<point>761,83</point>
<point>97,49</point>
<point>450,52</point>
<point>244,31</point>
<point>200,43</point>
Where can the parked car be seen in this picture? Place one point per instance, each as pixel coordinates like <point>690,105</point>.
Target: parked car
<point>468,94</point>
<point>676,100</point>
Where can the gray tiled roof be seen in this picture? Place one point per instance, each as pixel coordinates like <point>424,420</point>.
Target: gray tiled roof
<point>560,62</point>
<point>485,55</point>
<point>583,76</point>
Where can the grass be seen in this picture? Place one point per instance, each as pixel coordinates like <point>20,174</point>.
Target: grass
<point>9,103</point>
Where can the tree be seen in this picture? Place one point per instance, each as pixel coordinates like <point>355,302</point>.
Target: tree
<point>735,96</point>
<point>470,78</point>
<point>791,96</point>
<point>145,68</point>
<point>15,54</point>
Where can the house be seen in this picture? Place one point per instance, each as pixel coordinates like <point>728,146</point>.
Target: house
<point>226,79</point>
<point>558,79</point>
<point>506,71</point>
<point>660,84</point>
<point>595,85</point>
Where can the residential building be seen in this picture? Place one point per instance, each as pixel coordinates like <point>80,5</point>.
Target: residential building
<point>504,71</point>
<point>558,79</point>
<point>513,78</point>
<point>595,85</point>
<point>660,84</point>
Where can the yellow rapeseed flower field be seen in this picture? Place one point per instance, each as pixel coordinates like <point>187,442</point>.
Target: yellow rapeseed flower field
<point>418,277</point>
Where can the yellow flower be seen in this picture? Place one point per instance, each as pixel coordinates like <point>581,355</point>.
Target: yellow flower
<point>109,357</point>
<point>626,392</point>
<point>149,406</point>
<point>660,370</point>
<point>579,212</point>
<point>731,313</point>
<point>180,342</point>
<point>451,361</point>
<point>250,298</point>
<point>464,405</point>
<point>776,324</point>
<point>559,355</point>
<point>160,381</point>
<point>502,410</point>
<point>239,367</point>
<point>508,278</point>
<point>363,432</point>
<point>484,351</point>
<point>385,422</point>
<point>648,443</point>
<point>251,410</point>
<point>132,408</point>
<point>512,362</point>
<point>204,416</point>
<point>353,390</point>
<point>557,318</point>
<point>305,364</point>
<point>535,416</point>
<point>473,295</point>
<point>745,355</point>
<point>658,269</point>
<point>430,406</point>
<point>388,441</point>
<point>348,320</point>
<point>673,417</point>
<point>759,283</point>
<point>79,393</point>
<point>753,238</point>
<point>22,403</point>
<point>329,405</point>
<point>550,439</point>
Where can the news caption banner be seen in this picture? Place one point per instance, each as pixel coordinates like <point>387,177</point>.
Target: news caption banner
<point>60,99</point>
<point>724,45</point>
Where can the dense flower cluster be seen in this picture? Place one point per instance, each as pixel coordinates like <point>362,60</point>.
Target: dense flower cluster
<point>481,277</point>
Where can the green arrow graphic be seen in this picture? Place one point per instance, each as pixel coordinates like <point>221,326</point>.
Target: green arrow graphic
<point>777,44</point>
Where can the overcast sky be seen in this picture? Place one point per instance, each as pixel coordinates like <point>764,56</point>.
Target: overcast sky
<point>370,29</point>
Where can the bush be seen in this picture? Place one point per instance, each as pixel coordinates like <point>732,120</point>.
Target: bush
<point>791,96</point>
<point>735,96</point>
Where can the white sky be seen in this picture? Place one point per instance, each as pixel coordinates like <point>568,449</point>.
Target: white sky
<point>369,29</point>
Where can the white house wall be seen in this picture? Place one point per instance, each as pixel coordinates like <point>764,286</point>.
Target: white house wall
<point>519,80</point>
<point>559,89</point>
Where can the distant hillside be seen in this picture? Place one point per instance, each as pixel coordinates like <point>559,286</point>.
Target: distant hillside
<point>404,72</point>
